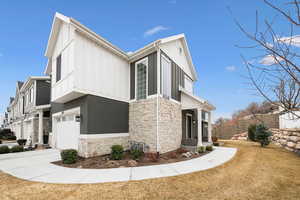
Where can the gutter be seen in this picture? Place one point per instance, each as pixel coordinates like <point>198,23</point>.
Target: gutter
<point>156,45</point>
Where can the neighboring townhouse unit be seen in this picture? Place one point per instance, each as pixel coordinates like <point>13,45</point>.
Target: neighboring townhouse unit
<point>29,111</point>
<point>101,95</point>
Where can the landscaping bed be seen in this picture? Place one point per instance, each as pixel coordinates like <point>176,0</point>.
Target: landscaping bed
<point>105,161</point>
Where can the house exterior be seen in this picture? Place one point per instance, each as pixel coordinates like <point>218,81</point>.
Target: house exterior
<point>101,95</point>
<point>29,111</point>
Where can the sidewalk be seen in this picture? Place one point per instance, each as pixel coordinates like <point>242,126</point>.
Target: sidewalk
<point>36,166</point>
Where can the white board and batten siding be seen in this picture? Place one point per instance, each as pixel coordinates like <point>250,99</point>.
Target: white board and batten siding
<point>99,71</point>
<point>65,47</point>
<point>176,52</point>
<point>289,121</point>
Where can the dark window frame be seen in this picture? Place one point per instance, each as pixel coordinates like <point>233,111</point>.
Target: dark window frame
<point>58,68</point>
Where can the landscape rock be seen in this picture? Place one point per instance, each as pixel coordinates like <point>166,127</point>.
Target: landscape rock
<point>297,146</point>
<point>294,138</point>
<point>112,163</point>
<point>132,163</point>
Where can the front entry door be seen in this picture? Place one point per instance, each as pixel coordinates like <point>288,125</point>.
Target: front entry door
<point>189,126</point>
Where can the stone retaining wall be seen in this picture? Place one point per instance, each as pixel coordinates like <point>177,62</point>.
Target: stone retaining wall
<point>287,138</point>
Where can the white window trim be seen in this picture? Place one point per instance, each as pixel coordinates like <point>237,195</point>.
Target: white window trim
<point>135,84</point>
<point>162,73</point>
<point>186,124</point>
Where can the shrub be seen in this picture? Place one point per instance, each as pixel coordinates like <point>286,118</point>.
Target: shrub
<point>117,152</point>
<point>209,148</point>
<point>21,141</point>
<point>201,149</point>
<point>0,141</point>
<point>69,156</point>
<point>216,144</point>
<point>251,132</point>
<point>17,148</point>
<point>136,153</point>
<point>214,139</point>
<point>262,135</point>
<point>11,137</point>
<point>4,149</point>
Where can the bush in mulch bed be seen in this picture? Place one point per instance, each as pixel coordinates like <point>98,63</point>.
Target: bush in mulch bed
<point>4,149</point>
<point>69,156</point>
<point>17,148</point>
<point>117,152</point>
<point>136,154</point>
<point>201,149</point>
<point>21,142</point>
<point>209,148</point>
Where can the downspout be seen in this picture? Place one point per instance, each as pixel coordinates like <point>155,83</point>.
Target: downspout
<point>156,44</point>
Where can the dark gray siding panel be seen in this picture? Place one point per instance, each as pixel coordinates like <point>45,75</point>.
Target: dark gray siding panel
<point>177,76</point>
<point>107,115</point>
<point>152,75</point>
<point>98,114</point>
<point>80,102</point>
<point>132,80</point>
<point>43,89</point>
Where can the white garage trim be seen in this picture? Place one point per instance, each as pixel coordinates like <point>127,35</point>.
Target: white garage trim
<point>105,135</point>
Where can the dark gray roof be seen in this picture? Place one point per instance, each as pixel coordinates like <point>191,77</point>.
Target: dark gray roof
<point>11,99</point>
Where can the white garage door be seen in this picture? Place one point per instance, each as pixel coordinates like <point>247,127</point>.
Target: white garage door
<point>68,130</point>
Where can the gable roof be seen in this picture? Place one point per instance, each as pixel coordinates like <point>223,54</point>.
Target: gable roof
<point>20,84</point>
<point>59,18</point>
<point>31,79</point>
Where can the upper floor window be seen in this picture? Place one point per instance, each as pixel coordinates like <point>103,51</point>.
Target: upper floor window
<point>166,74</point>
<point>141,87</point>
<point>188,84</point>
<point>58,68</point>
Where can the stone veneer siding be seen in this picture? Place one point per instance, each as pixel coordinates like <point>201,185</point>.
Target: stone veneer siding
<point>90,147</point>
<point>170,125</point>
<point>287,138</point>
<point>143,124</point>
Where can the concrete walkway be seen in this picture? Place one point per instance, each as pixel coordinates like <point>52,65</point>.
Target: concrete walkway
<point>36,166</point>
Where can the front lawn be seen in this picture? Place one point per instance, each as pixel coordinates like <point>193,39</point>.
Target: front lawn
<point>254,173</point>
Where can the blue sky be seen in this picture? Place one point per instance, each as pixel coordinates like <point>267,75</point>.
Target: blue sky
<point>131,24</point>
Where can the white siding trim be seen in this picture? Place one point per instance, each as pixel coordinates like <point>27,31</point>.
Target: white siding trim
<point>101,136</point>
<point>135,76</point>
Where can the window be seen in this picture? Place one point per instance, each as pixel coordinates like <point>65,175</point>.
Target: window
<point>141,79</point>
<point>204,115</point>
<point>58,68</point>
<point>166,73</point>
<point>188,84</point>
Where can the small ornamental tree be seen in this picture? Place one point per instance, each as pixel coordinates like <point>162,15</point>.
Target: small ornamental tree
<point>251,132</point>
<point>262,135</point>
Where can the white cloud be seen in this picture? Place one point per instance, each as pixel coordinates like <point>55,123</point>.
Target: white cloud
<point>270,60</point>
<point>292,40</point>
<point>155,30</point>
<point>230,68</point>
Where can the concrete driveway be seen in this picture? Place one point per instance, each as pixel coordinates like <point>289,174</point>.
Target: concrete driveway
<point>36,166</point>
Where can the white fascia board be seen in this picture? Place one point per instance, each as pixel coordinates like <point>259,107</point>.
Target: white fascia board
<point>80,27</point>
<point>43,107</point>
<point>200,100</point>
<point>31,79</point>
<point>58,18</point>
<point>186,49</point>
<point>48,67</point>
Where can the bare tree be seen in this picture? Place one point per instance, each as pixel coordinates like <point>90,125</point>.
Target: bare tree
<point>276,77</point>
